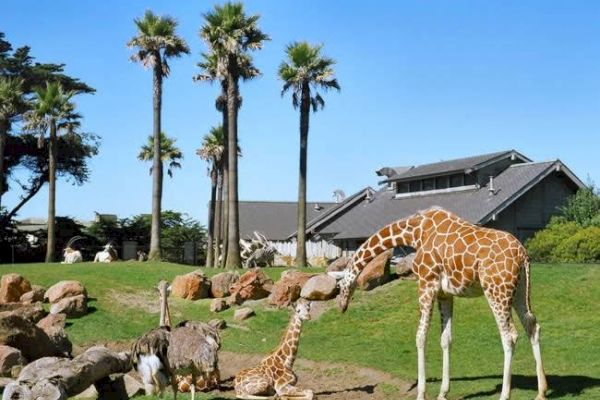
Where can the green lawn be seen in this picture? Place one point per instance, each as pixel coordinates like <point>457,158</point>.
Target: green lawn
<point>377,331</point>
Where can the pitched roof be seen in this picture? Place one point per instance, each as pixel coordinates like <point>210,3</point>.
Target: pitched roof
<point>456,165</point>
<point>474,204</point>
<point>275,219</point>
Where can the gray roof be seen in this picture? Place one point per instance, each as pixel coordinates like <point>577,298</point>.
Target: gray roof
<point>456,165</point>
<point>275,219</point>
<point>474,204</point>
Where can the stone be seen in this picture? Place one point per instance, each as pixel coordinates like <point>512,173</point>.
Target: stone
<point>220,284</point>
<point>288,288</point>
<point>12,287</point>
<point>133,386</point>
<point>34,295</point>
<point>191,286</point>
<point>376,273</point>
<point>319,261</point>
<point>253,285</point>
<point>10,358</point>
<point>242,314</point>
<point>73,307</point>
<point>219,324</point>
<point>54,326</point>
<point>339,264</point>
<point>30,312</point>
<point>63,289</point>
<point>403,266</point>
<point>234,300</point>
<point>218,305</point>
<point>319,287</point>
<point>22,334</point>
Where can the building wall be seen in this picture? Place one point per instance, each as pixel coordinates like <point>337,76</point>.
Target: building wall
<point>533,210</point>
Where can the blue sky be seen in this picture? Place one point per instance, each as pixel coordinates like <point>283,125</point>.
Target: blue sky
<point>421,82</point>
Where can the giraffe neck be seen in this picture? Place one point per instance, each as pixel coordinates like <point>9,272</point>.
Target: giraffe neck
<point>405,232</point>
<point>288,348</point>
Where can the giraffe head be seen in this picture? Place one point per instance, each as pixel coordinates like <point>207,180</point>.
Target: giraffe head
<point>302,309</point>
<point>346,285</point>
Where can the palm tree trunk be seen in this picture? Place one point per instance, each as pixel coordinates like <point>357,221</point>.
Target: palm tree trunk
<point>210,251</point>
<point>3,134</point>
<point>225,206</point>
<point>52,156</point>
<point>218,219</point>
<point>233,227</point>
<point>301,229</point>
<point>157,170</point>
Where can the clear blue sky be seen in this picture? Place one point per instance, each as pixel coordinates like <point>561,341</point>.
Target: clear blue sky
<point>421,81</point>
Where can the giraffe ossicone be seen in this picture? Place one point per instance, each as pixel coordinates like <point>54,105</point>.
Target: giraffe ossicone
<point>274,376</point>
<point>456,258</point>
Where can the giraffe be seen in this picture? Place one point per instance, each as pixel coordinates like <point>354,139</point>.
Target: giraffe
<point>274,375</point>
<point>456,258</point>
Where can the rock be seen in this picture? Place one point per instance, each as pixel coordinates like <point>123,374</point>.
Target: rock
<point>253,285</point>
<point>30,312</point>
<point>219,324</point>
<point>234,300</point>
<point>339,264</point>
<point>9,358</point>
<point>319,287</point>
<point>376,273</point>
<point>73,307</point>
<point>12,287</point>
<point>192,286</point>
<point>54,326</point>
<point>63,289</point>
<point>34,295</point>
<point>403,267</point>
<point>220,284</point>
<point>288,288</point>
<point>242,314</point>
<point>133,387</point>
<point>218,305</point>
<point>22,334</point>
<point>319,261</point>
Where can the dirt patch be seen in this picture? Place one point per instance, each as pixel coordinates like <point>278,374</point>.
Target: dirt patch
<point>147,302</point>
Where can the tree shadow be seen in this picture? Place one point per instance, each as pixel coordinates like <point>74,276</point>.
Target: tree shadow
<point>558,385</point>
<point>369,389</point>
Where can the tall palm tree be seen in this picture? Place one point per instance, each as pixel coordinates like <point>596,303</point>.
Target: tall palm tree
<point>156,41</point>
<point>304,72</point>
<point>11,103</point>
<point>169,153</point>
<point>230,34</point>
<point>52,107</point>
<point>212,151</point>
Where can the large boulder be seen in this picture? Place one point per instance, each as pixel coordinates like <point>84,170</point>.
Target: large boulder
<point>34,295</point>
<point>288,288</point>
<point>403,267</point>
<point>218,305</point>
<point>220,284</point>
<point>376,273</point>
<point>30,312</point>
<point>253,285</point>
<point>12,287</point>
<point>9,358</point>
<point>72,307</point>
<point>54,326</point>
<point>339,264</point>
<point>192,286</point>
<point>319,287</point>
<point>64,289</point>
<point>243,313</point>
<point>20,333</point>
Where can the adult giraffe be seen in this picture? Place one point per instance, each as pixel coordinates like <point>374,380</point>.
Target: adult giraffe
<point>456,258</point>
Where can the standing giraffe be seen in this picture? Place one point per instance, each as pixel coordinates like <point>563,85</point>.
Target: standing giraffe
<point>274,374</point>
<point>456,258</point>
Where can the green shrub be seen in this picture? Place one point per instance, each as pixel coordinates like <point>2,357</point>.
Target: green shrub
<point>583,246</point>
<point>543,246</point>
<point>583,207</point>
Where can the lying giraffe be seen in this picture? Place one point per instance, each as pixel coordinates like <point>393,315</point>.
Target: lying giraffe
<point>456,258</point>
<point>274,375</point>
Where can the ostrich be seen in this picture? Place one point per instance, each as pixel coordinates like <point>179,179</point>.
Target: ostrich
<point>163,353</point>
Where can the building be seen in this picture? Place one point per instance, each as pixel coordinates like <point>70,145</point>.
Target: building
<point>503,190</point>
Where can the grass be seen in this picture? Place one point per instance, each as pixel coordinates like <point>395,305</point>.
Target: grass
<point>378,330</point>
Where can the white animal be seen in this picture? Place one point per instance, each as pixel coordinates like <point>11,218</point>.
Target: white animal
<point>109,254</point>
<point>70,255</point>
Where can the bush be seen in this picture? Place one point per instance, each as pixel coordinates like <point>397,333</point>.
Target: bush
<point>582,247</point>
<point>584,207</point>
<point>543,247</point>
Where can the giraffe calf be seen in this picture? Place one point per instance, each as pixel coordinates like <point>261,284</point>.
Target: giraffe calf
<point>274,377</point>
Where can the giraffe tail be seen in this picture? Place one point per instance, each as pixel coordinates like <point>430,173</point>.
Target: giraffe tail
<point>523,297</point>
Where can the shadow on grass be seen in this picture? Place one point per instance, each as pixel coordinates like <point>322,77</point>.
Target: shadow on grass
<point>370,389</point>
<point>558,385</point>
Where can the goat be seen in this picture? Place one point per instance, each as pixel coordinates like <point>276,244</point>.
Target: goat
<point>109,254</point>
<point>72,256</point>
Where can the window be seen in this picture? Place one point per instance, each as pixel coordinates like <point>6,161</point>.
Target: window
<point>415,186</point>
<point>441,182</point>
<point>429,184</point>
<point>403,187</point>
<point>470,179</point>
<point>456,180</point>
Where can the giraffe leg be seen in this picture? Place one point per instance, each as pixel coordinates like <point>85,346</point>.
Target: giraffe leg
<point>532,328</point>
<point>445,305</point>
<point>426,300</point>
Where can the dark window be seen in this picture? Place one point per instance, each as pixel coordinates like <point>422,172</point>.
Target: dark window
<point>441,182</point>
<point>456,180</point>
<point>429,184</point>
<point>470,179</point>
<point>403,187</point>
<point>415,186</point>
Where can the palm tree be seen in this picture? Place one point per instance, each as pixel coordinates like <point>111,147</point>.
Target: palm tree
<point>11,103</point>
<point>155,43</point>
<point>212,151</point>
<point>230,34</point>
<point>304,72</point>
<point>169,153</point>
<point>52,107</point>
